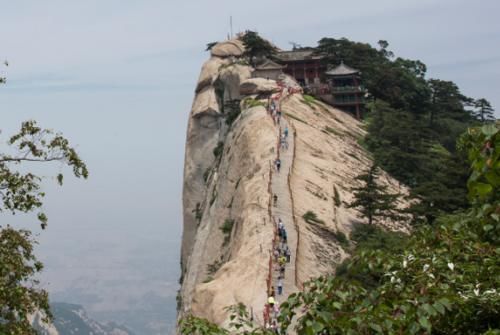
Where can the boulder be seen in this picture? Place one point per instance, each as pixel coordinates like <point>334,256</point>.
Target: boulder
<point>209,72</point>
<point>258,86</point>
<point>233,47</point>
<point>231,77</point>
<point>205,103</point>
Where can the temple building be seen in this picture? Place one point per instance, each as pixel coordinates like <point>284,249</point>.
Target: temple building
<point>268,69</point>
<point>346,91</point>
<point>303,65</point>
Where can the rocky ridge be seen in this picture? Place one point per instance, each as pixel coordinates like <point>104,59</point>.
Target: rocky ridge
<point>228,183</point>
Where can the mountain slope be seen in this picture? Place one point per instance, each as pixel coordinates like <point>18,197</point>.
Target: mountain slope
<point>71,319</point>
<point>230,178</point>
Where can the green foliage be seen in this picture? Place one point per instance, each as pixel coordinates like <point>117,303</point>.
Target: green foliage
<point>249,102</point>
<point>483,110</point>
<point>403,145</point>
<point>411,116</point>
<point>292,116</point>
<point>233,110</point>
<point>20,192</point>
<point>227,228</point>
<point>341,238</point>
<point>372,199</point>
<point>256,46</point>
<point>210,46</point>
<point>214,267</point>
<point>241,323</point>
<point>367,238</point>
<point>309,100</point>
<point>371,237</point>
<point>219,90</point>
<point>178,300</point>
<point>333,131</point>
<point>191,325</point>
<point>19,294</point>
<point>218,150</point>
<point>198,213</point>
<point>311,217</point>
<point>482,146</point>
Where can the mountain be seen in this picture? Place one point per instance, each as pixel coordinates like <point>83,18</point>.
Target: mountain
<point>71,319</point>
<point>230,180</point>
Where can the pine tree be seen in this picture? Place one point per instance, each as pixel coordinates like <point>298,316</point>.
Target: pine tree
<point>372,198</point>
<point>484,111</point>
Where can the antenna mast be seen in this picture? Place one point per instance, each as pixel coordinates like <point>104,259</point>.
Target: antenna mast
<point>231,25</point>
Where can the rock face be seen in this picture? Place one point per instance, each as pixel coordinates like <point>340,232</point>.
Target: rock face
<point>228,227</point>
<point>258,86</point>
<point>233,47</point>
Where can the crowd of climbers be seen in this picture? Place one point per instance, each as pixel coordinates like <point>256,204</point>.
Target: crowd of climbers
<point>281,253</point>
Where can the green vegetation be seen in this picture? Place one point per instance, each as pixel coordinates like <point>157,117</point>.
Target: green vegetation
<point>295,118</point>
<point>227,228</point>
<point>249,102</point>
<point>198,213</point>
<point>372,199</point>
<point>333,131</point>
<point>341,238</point>
<point>256,47</point>
<point>210,46</point>
<point>219,93</point>
<point>311,217</point>
<point>442,279</point>
<point>410,115</point>
<point>218,150</point>
<point>483,110</point>
<point>208,279</point>
<point>178,300</point>
<point>20,192</point>
<point>214,267</point>
<point>309,100</point>
<point>233,110</point>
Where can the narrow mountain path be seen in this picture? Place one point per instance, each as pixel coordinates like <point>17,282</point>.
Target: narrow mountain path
<point>284,211</point>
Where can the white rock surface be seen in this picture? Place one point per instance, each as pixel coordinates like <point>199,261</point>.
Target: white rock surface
<point>232,47</point>
<point>220,270</point>
<point>258,86</point>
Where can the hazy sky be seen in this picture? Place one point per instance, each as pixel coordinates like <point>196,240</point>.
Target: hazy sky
<point>117,78</point>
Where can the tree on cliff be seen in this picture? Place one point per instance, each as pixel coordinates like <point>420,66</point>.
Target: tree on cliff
<point>483,110</point>
<point>372,198</point>
<point>413,123</point>
<point>256,47</point>
<point>21,192</point>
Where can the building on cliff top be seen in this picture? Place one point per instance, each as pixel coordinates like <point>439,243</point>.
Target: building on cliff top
<point>268,69</point>
<point>345,89</point>
<point>303,65</point>
<point>339,87</point>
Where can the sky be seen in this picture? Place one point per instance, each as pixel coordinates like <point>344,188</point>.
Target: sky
<point>117,78</point>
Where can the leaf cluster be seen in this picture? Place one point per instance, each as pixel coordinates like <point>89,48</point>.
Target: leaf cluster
<point>21,191</point>
<point>19,295</point>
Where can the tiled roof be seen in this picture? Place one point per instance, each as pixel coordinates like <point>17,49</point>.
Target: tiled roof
<point>269,65</point>
<point>341,70</point>
<point>296,55</point>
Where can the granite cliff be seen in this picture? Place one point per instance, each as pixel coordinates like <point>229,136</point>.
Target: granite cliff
<point>230,179</point>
